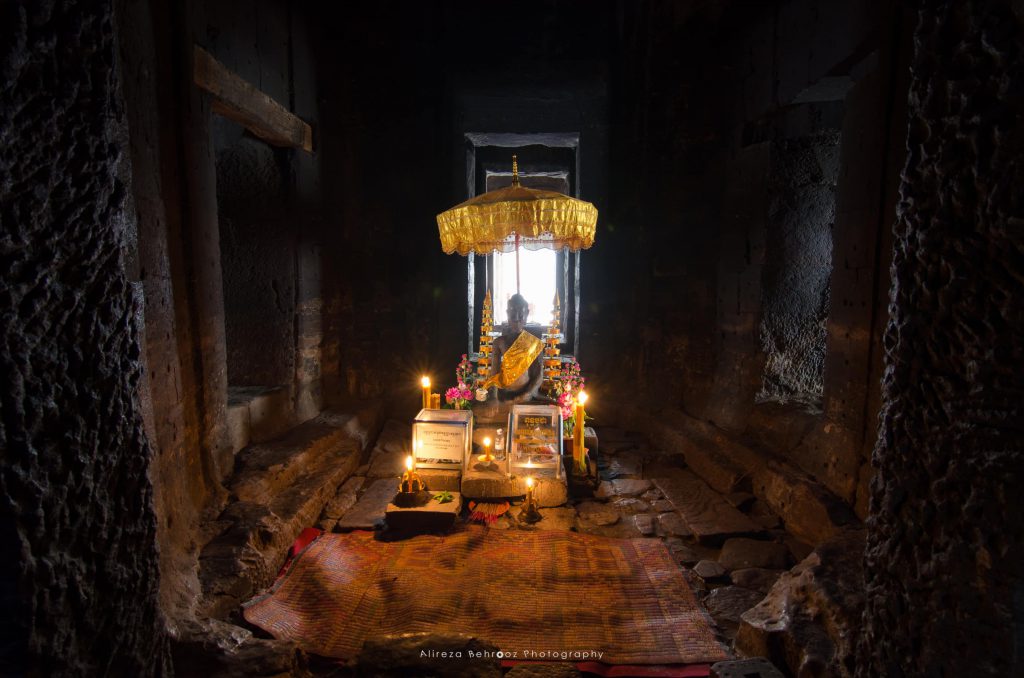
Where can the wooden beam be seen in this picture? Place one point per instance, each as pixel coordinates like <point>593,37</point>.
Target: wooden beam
<point>237,100</point>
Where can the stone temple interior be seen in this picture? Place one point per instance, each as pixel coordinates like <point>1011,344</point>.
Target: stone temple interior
<point>799,322</point>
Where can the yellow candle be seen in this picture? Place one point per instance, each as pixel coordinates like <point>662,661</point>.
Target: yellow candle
<point>408,470</point>
<point>581,417</point>
<point>425,383</point>
<point>435,401</point>
<point>486,456</point>
<point>529,492</point>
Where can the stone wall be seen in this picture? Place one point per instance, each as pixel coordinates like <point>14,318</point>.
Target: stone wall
<point>944,551</point>
<point>79,577</point>
<point>798,265</point>
<point>270,207</point>
<point>758,190</point>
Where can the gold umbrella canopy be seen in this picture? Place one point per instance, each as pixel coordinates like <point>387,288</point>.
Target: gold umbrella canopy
<point>541,219</point>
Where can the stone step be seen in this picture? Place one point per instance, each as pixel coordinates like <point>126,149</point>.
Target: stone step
<point>485,484</point>
<point>668,432</point>
<point>279,488</point>
<point>368,513</point>
<point>257,414</point>
<point>708,516</point>
<point>810,511</point>
<point>813,613</point>
<point>261,470</point>
<point>808,508</point>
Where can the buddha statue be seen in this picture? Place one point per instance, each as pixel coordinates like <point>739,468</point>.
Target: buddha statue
<point>526,386</point>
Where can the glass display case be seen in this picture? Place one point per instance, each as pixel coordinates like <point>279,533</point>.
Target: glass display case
<point>442,438</point>
<point>535,441</point>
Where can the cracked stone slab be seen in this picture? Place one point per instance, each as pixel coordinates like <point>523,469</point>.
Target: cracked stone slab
<point>710,518</point>
<point>625,487</point>
<point>343,500</point>
<point>672,525</point>
<point>368,512</point>
<point>598,514</point>
<point>386,464</point>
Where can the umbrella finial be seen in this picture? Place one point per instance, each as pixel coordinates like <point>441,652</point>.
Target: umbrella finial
<point>515,171</point>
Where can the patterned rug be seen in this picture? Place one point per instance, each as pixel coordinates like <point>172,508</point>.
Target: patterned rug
<point>532,593</point>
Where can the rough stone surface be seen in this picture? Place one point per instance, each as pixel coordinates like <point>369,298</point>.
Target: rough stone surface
<point>486,484</point>
<point>400,656</point>
<point>797,266</point>
<point>644,523</point>
<point>629,505</point>
<point>80,576</point>
<point>438,480</point>
<point>745,668</point>
<point>709,569</point>
<point>279,488</point>
<point>368,513</point>
<point>945,500</point>
<point>741,500</point>
<point>681,551</point>
<point>810,620</point>
<point>621,468</point>
<point>598,514</point>
<point>431,517</point>
<point>563,519</point>
<point>211,647</point>
<point>672,525</point>
<point>342,501</point>
<point>544,671</point>
<point>662,506</point>
<point>395,437</point>
<point>809,510</point>
<point>756,579</point>
<point>727,604</point>
<point>708,517</point>
<point>622,488</point>
<point>385,464</point>
<point>738,554</point>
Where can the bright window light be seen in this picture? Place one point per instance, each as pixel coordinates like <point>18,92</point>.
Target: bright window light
<point>537,283</point>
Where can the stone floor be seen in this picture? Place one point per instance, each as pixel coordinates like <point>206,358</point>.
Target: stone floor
<point>735,552</point>
<point>732,549</point>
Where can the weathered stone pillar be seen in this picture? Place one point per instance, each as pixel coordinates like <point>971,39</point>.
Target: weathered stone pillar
<point>945,551</point>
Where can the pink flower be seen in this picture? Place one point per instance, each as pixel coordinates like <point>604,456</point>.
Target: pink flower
<point>451,395</point>
<point>467,394</point>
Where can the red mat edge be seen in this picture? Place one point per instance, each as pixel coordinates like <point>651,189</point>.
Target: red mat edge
<point>311,534</point>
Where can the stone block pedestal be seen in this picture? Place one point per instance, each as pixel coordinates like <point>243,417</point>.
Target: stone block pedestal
<point>484,484</point>
<point>431,517</point>
<point>440,480</point>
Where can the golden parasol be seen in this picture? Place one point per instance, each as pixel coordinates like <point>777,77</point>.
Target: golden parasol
<point>515,216</point>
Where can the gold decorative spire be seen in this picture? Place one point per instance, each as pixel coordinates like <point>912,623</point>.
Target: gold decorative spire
<point>515,171</point>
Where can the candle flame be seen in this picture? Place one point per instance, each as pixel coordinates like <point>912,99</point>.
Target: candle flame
<point>487,442</point>
<point>529,482</point>
<point>582,398</point>
<point>425,382</point>
<point>408,463</point>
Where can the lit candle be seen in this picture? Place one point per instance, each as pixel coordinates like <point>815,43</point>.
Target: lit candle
<point>408,470</point>
<point>425,383</point>
<point>581,416</point>
<point>529,492</point>
<point>486,456</point>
